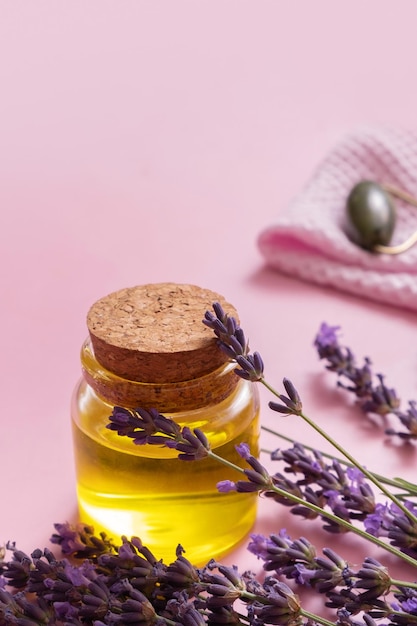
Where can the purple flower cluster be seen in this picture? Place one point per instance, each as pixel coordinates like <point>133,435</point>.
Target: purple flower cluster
<point>347,494</point>
<point>348,590</point>
<point>372,394</point>
<point>151,427</point>
<point>126,584</point>
<point>388,520</point>
<point>232,341</point>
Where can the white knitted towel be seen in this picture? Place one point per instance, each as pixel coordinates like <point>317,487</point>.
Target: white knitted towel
<point>308,239</point>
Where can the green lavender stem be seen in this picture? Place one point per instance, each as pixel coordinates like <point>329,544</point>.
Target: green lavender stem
<point>400,484</point>
<point>360,467</point>
<point>350,458</point>
<point>327,514</point>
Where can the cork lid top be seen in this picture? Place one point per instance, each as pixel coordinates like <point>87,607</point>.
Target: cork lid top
<point>154,333</point>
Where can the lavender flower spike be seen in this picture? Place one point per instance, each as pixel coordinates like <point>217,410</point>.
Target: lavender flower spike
<point>372,394</point>
<point>232,341</point>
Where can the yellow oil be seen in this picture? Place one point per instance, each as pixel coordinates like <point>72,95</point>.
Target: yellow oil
<point>125,489</point>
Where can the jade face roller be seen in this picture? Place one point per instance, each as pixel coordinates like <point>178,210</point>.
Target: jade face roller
<point>371,216</point>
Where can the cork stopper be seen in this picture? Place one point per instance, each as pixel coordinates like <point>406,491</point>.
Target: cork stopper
<point>154,333</point>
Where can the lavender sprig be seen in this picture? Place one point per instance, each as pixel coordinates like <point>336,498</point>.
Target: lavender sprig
<point>410,515</point>
<point>152,428</point>
<point>372,394</point>
<point>340,360</point>
<point>128,585</point>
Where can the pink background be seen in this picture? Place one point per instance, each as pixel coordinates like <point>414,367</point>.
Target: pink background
<point>152,141</point>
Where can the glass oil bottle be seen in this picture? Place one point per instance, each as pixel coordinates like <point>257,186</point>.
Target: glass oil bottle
<point>147,347</point>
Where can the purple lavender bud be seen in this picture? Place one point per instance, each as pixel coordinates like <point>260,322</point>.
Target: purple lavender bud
<point>181,573</point>
<point>251,367</point>
<point>231,573</point>
<point>75,575</point>
<point>331,571</point>
<point>18,570</point>
<point>164,424</point>
<point>292,392</point>
<point>160,440</point>
<point>192,617</point>
<point>137,609</point>
<point>258,467</point>
<point>23,612</point>
<point>258,362</point>
<point>136,423</point>
<point>345,617</point>
<point>334,558</point>
<point>202,438</point>
<point>257,544</point>
<point>304,575</point>
<point>406,600</point>
<point>79,540</point>
<point>220,330</point>
<point>65,611</point>
<point>224,594</point>
<point>243,450</point>
<point>281,606</point>
<point>381,399</point>
<point>226,486</point>
<point>224,586</point>
<point>220,314</point>
<point>327,337</point>
<point>409,420</point>
<point>280,408</point>
<point>378,522</point>
<point>239,335</point>
<point>258,479</point>
<point>231,325</point>
<point>125,551</point>
<point>298,461</point>
<point>193,446</point>
<point>243,486</point>
<point>292,404</point>
<point>224,347</point>
<point>310,497</point>
<point>374,578</point>
<point>209,317</point>
<point>336,503</point>
<point>224,616</point>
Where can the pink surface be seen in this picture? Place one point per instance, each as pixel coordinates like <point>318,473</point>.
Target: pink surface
<point>153,141</point>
